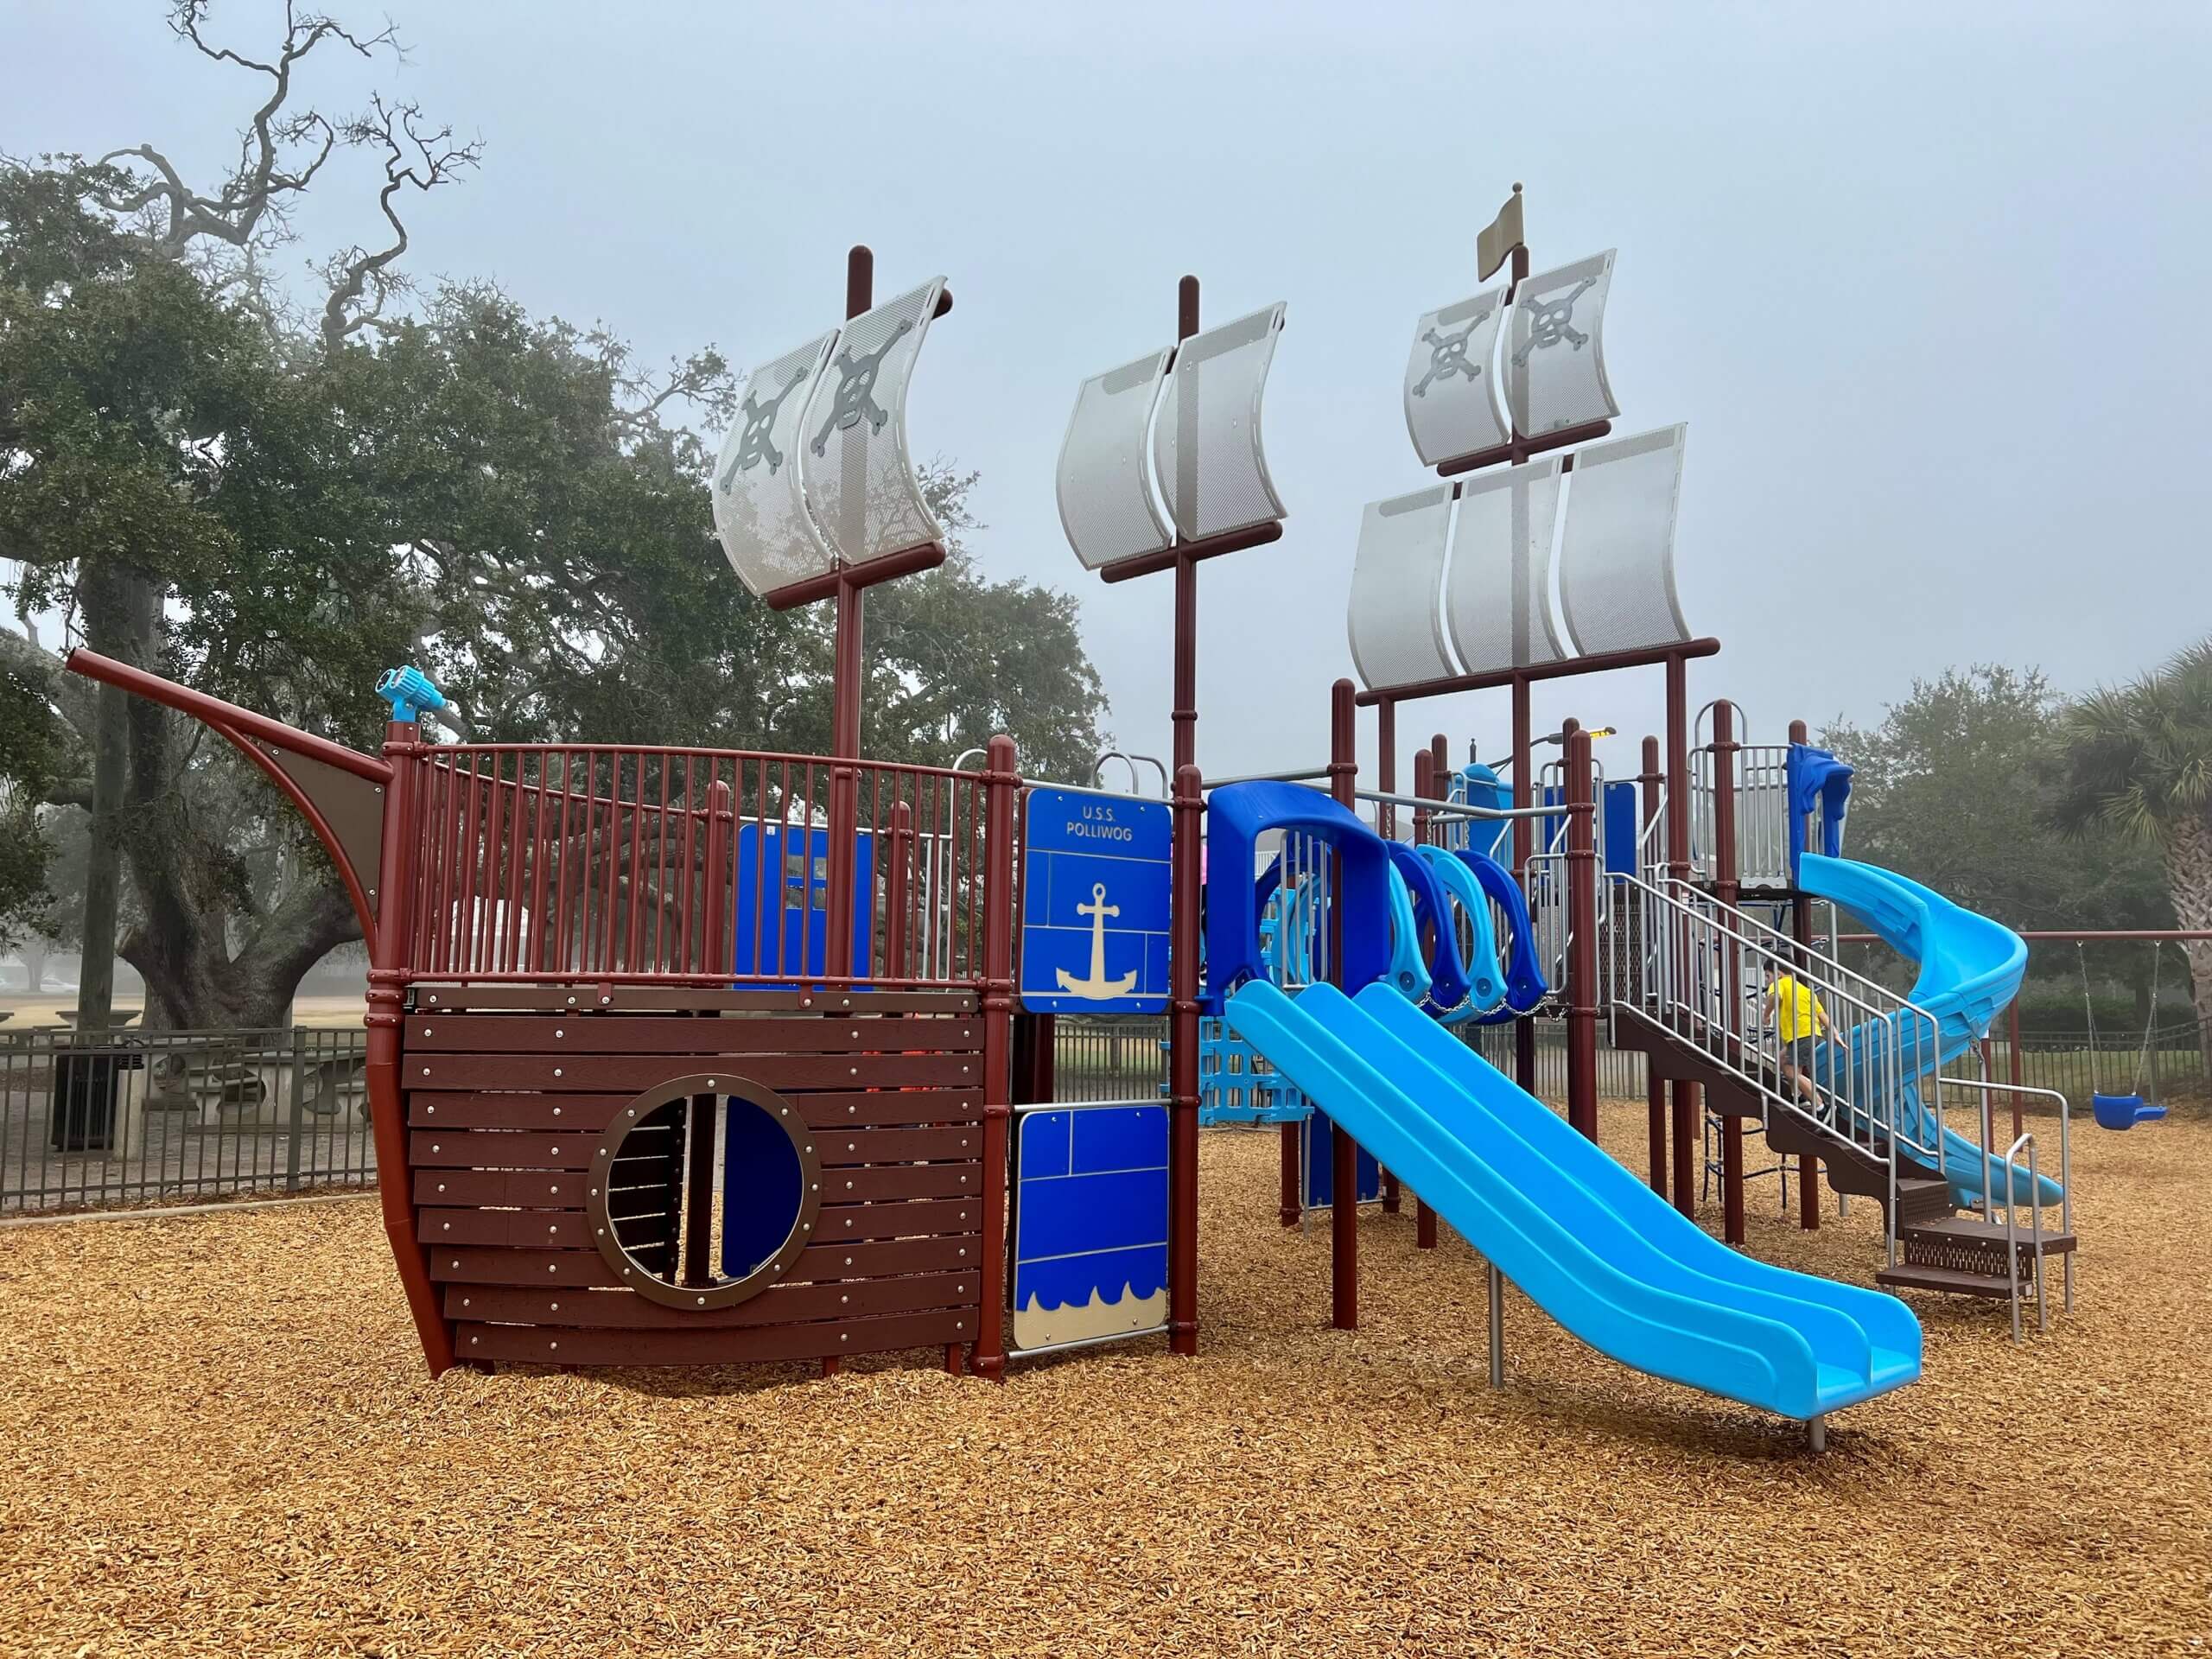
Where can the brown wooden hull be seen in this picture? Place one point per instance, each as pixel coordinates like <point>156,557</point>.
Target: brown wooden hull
<point>504,1117</point>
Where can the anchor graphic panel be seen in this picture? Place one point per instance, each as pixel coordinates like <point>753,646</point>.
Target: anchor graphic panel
<point>1095,904</point>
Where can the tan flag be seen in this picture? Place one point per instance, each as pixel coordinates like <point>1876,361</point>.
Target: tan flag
<point>1504,236</point>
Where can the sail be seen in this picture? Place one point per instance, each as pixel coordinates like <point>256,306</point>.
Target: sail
<point>1497,594</point>
<point>1206,449</point>
<point>1394,620</point>
<point>760,515</point>
<point>1451,393</point>
<point>853,457</point>
<point>1555,348</point>
<point>1616,552</point>
<point>1108,507</point>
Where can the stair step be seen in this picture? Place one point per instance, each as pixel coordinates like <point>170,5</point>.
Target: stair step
<point>1950,1280</point>
<point>1974,1229</point>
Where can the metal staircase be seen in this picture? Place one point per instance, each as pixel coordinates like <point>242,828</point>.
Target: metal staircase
<point>1680,972</point>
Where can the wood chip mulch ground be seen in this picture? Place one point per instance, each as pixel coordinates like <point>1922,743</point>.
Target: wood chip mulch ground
<point>218,1439</point>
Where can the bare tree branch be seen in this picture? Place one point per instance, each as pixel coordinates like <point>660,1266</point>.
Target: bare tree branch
<point>414,158</point>
<point>280,151</point>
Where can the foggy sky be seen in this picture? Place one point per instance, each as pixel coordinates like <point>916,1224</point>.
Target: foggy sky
<point>1927,283</point>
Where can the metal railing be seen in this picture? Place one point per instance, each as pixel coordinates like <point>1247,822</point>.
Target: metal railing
<point>1694,959</point>
<point>96,1120</point>
<point>1989,1162</point>
<point>1765,828</point>
<point>2027,1143</point>
<point>692,867</point>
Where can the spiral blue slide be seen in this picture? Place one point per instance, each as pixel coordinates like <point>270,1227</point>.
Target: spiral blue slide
<point>1591,1244</point>
<point>1969,969</point>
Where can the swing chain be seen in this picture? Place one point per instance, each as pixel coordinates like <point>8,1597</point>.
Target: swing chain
<point>2151,1020</point>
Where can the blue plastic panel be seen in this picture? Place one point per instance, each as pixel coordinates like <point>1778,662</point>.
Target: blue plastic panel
<point>1321,1169</point>
<point>1095,892</point>
<point>760,1187</point>
<point>1090,1223</point>
<point>783,911</point>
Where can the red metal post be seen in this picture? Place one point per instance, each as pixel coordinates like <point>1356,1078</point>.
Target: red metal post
<point>1344,1152</point>
<point>1732,1020</point>
<point>1002,782</point>
<point>1524,844</point>
<point>1386,767</point>
<point>388,947</point>
<point>2012,1043</point>
<point>1183,942</point>
<point>721,816</point>
<point>1655,1086</point>
<point>1582,934</point>
<point>847,674</point>
<point>1188,808</point>
<point>898,849</point>
<point>1801,929</point>
<point>1688,1144</point>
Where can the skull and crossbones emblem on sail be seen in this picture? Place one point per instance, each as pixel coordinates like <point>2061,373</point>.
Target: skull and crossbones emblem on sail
<point>1553,321</point>
<point>1447,355</point>
<point>754,443</point>
<point>855,395</point>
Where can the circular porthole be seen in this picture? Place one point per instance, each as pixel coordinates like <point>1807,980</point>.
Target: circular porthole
<point>703,1191</point>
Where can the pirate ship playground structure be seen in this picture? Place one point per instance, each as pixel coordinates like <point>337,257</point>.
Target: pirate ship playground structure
<point>692,1056</point>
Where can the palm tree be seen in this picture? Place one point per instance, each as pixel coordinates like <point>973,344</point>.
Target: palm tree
<point>2136,760</point>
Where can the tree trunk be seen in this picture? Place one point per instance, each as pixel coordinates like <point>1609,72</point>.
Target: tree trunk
<point>2189,882</point>
<point>120,609</point>
<point>35,954</point>
<point>194,982</point>
<point>191,902</point>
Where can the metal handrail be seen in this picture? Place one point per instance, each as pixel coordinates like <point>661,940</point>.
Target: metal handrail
<point>1680,937</point>
<point>1460,809</point>
<point>1831,967</point>
<point>1652,835</point>
<point>1295,775</point>
<point>2065,1163</point>
<point>1705,907</point>
<point>1098,768</point>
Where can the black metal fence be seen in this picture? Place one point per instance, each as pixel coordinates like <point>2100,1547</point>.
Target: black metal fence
<point>1118,1058</point>
<point>1126,1059</point>
<point>91,1119</point>
<point>94,1120</point>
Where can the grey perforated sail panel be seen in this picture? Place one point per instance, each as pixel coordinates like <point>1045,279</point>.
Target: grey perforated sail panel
<point>1395,617</point>
<point>1555,348</point>
<point>1616,553</point>
<point>1207,450</point>
<point>853,456</point>
<point>1452,408</point>
<point>1108,505</point>
<point>760,513</point>
<point>1497,596</point>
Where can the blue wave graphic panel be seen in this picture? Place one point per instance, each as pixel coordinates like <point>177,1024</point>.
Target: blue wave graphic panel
<point>1090,1204</point>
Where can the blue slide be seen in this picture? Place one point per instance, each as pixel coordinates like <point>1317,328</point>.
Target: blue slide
<point>1970,968</point>
<point>1591,1244</point>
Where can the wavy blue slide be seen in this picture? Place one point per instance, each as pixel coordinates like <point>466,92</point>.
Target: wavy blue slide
<point>1970,968</point>
<point>1590,1243</point>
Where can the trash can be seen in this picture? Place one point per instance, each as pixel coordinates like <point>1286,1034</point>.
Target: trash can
<point>83,1115</point>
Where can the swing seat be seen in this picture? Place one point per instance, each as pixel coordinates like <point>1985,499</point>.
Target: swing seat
<point>2124,1111</point>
